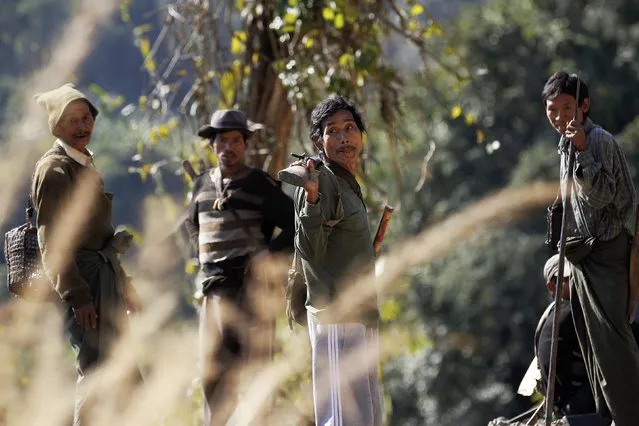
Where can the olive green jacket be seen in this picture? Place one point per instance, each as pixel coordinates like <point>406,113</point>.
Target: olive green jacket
<point>334,243</point>
<point>73,213</point>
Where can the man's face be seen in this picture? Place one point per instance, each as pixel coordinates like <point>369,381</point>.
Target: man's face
<point>560,111</point>
<point>76,125</point>
<point>229,147</point>
<point>342,140</point>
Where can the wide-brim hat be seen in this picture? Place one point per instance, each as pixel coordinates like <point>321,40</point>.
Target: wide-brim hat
<point>551,268</point>
<point>225,120</point>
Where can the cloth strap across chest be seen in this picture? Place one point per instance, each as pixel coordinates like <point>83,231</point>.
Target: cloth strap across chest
<point>228,231</point>
<point>341,172</point>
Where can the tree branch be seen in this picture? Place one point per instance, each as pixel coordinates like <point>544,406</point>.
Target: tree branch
<point>425,174</point>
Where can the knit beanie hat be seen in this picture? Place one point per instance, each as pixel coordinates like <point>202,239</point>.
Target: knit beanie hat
<point>55,101</point>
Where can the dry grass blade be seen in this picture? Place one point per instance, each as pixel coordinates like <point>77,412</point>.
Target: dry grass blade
<point>20,150</point>
<point>169,355</point>
<point>37,381</point>
<point>507,205</point>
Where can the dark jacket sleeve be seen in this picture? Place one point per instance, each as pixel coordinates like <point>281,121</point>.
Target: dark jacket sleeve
<point>316,221</point>
<point>278,210</point>
<point>51,188</point>
<point>595,170</point>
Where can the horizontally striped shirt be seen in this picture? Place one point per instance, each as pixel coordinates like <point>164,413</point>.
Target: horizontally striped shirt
<point>260,204</point>
<point>603,198</point>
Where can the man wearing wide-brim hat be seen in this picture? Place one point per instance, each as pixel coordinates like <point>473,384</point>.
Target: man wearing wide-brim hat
<point>79,246</point>
<point>231,221</point>
<point>228,119</point>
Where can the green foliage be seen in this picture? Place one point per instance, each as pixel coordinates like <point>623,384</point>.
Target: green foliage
<point>487,295</point>
<point>340,49</point>
<point>27,28</point>
<point>276,60</point>
<point>479,302</point>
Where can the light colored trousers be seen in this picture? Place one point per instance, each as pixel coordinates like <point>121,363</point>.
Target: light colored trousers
<point>345,362</point>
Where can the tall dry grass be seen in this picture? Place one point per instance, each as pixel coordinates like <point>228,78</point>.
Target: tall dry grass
<point>168,354</point>
<point>37,379</point>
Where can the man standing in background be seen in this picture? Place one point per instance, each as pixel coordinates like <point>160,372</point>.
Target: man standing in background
<point>231,223</point>
<point>601,216</point>
<point>79,246</point>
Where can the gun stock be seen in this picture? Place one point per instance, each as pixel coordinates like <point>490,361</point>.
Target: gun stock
<point>381,229</point>
<point>296,175</point>
<point>188,169</point>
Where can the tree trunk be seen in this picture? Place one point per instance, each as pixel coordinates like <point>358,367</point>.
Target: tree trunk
<point>267,104</point>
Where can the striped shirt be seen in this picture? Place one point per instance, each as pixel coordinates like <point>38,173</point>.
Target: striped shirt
<point>258,201</point>
<point>602,198</point>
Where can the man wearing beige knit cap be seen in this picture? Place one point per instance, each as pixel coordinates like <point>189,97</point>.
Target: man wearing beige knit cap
<point>79,245</point>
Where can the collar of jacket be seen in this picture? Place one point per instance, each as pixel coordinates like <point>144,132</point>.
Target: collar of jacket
<point>78,156</point>
<point>341,172</point>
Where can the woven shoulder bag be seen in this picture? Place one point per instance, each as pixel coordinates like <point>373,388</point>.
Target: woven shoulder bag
<point>25,275</point>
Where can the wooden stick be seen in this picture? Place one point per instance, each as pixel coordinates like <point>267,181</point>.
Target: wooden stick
<point>552,373</point>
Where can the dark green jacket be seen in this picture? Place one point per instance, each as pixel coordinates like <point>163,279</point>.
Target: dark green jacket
<point>334,242</point>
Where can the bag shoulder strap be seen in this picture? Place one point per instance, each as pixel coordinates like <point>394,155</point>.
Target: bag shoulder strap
<point>297,262</point>
<point>341,172</point>
<point>58,152</point>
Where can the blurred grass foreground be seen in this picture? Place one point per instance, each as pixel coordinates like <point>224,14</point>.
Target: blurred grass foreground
<point>37,376</point>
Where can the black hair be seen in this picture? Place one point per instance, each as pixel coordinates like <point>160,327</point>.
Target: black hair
<point>563,83</point>
<point>328,107</point>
